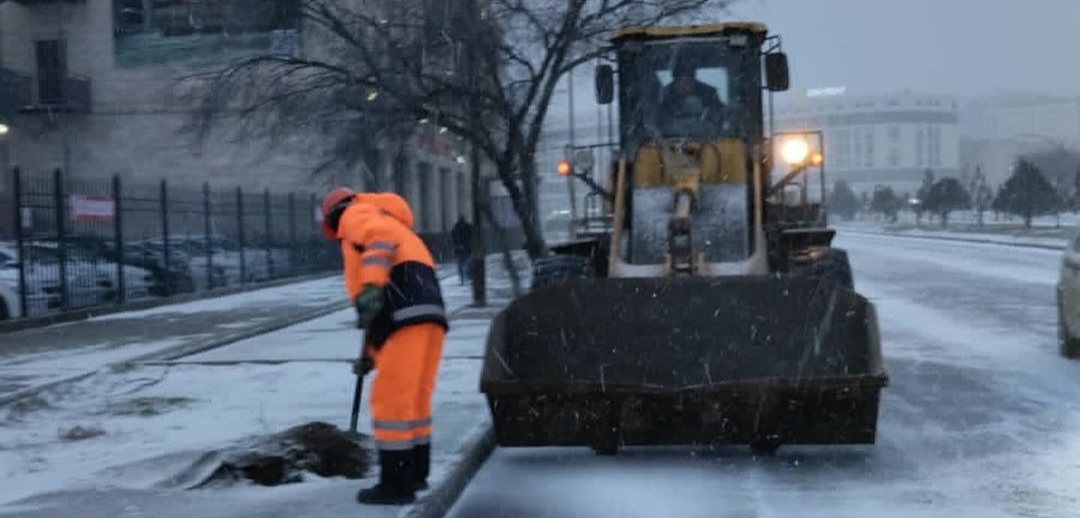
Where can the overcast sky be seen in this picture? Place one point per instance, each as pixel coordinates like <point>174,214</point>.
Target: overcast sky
<point>961,47</point>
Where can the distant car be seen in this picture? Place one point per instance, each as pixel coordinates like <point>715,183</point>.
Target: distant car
<point>9,294</point>
<point>42,293</point>
<point>92,278</point>
<point>174,278</point>
<point>1068,301</point>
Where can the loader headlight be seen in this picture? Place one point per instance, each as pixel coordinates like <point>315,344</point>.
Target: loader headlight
<point>794,151</point>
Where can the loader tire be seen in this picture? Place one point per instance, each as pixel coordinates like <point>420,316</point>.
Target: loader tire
<point>765,446</point>
<point>606,450</point>
<point>1068,346</point>
<point>833,266</point>
<point>558,269</point>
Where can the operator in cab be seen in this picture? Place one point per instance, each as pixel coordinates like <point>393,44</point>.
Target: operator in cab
<point>688,98</point>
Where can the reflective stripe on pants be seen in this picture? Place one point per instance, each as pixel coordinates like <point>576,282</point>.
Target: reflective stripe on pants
<point>405,370</point>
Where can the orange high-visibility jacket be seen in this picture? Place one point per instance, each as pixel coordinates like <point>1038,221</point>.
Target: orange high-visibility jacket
<point>381,249</point>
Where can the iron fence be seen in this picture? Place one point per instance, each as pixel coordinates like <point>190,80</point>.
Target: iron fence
<point>84,242</point>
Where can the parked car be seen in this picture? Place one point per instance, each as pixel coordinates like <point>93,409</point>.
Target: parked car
<point>171,279</point>
<point>9,294</point>
<point>91,279</point>
<point>42,292</point>
<point>216,272</point>
<point>1068,300</point>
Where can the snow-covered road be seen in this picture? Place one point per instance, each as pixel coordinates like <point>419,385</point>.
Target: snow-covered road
<point>980,419</point>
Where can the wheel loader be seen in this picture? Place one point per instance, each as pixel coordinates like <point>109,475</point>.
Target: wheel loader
<point>706,313</point>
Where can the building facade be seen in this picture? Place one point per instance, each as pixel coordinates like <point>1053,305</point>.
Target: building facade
<point>97,88</point>
<point>997,130</point>
<point>876,140</point>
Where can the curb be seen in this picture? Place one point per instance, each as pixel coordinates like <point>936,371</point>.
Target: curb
<point>77,315</point>
<point>180,351</point>
<point>471,456</point>
<point>957,239</point>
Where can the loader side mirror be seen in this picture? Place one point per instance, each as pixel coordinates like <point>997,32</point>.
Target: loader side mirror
<point>777,75</point>
<point>605,84</point>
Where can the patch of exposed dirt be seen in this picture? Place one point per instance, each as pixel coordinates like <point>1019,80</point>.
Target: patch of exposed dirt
<point>27,405</point>
<point>148,406</point>
<point>80,433</point>
<point>284,458</point>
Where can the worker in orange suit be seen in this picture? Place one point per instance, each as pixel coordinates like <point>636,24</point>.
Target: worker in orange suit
<point>390,276</point>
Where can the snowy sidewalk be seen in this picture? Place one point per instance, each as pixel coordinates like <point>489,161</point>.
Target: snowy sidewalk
<point>141,426</point>
<point>1000,238</point>
<point>34,357</point>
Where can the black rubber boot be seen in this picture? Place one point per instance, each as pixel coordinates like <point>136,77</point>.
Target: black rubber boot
<point>421,465</point>
<point>396,480</point>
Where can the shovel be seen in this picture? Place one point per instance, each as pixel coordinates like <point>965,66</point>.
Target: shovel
<point>358,392</point>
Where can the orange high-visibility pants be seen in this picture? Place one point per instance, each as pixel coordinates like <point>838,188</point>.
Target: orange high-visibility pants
<point>405,370</point>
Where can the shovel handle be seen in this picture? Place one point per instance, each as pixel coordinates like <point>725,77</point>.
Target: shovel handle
<point>358,394</point>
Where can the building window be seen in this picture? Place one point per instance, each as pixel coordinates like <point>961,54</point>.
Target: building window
<point>894,157</point>
<point>159,31</point>
<point>858,153</point>
<point>446,196</point>
<point>462,194</point>
<point>934,145</point>
<point>894,133</point>
<point>51,70</point>
<point>401,168</point>
<point>427,215</point>
<point>920,146</point>
<point>844,148</point>
<point>870,145</point>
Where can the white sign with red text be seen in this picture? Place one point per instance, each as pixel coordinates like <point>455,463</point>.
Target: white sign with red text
<point>92,208</point>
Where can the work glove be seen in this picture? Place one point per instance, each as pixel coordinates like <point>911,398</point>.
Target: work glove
<point>362,366</point>
<point>368,304</point>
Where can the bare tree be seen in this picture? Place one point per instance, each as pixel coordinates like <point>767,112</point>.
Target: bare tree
<point>485,70</point>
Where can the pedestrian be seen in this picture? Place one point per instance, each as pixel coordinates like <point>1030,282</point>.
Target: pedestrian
<point>461,238</point>
<point>390,277</point>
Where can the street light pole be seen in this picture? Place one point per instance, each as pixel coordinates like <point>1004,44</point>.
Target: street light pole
<point>570,149</point>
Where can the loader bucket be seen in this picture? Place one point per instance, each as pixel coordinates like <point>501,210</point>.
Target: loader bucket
<point>745,360</point>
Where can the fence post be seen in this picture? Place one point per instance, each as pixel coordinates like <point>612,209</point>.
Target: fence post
<point>317,267</point>
<point>17,192</point>
<point>164,205</point>
<point>266,237</point>
<point>118,224</point>
<point>61,236</point>
<point>240,231</point>
<point>206,231</point>
<point>292,234</point>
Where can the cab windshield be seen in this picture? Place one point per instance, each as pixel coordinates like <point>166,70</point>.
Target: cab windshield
<point>689,89</point>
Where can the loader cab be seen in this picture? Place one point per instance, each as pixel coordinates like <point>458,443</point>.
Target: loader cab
<point>677,84</point>
<point>691,119</point>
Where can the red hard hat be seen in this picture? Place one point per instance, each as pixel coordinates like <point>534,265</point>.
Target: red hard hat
<point>333,203</point>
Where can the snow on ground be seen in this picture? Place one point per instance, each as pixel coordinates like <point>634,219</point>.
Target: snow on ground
<point>967,218</point>
<point>37,356</point>
<point>142,424</point>
<point>980,417</point>
<point>1042,234</point>
<point>158,419</point>
<point>309,293</point>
